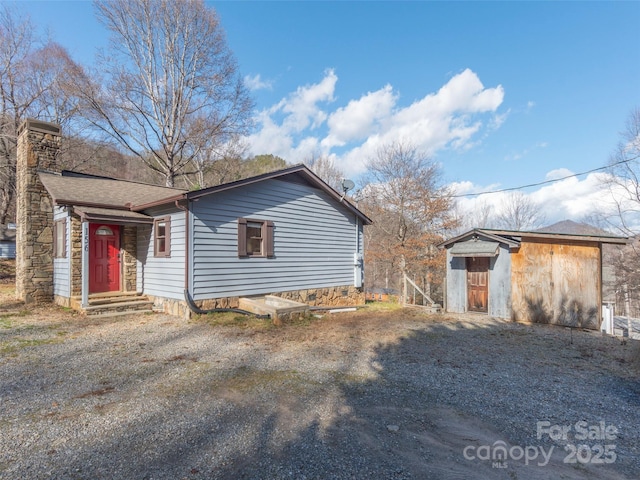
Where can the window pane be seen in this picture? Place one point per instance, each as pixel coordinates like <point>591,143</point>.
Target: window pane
<point>254,245</point>
<point>104,231</point>
<point>60,247</point>
<point>60,236</point>
<point>161,245</point>
<point>254,229</point>
<point>161,229</point>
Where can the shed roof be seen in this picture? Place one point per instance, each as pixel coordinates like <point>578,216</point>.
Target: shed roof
<point>475,248</point>
<point>514,237</point>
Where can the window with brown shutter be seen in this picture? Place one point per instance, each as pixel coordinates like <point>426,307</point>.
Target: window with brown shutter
<point>255,238</point>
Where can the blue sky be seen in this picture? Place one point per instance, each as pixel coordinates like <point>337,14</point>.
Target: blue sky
<point>500,94</point>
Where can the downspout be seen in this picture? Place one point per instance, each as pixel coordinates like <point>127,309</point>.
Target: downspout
<point>186,242</point>
<point>187,296</point>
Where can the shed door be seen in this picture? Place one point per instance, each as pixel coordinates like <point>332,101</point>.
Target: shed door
<point>104,258</point>
<point>478,284</point>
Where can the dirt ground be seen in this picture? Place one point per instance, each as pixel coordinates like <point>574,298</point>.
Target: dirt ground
<point>383,392</point>
<point>7,271</point>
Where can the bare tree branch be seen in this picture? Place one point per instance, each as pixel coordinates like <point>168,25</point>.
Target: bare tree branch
<point>170,91</point>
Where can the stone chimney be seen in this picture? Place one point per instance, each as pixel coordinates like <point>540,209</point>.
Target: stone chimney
<point>38,148</point>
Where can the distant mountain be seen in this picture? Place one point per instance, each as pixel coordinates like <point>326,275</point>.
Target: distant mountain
<point>569,227</point>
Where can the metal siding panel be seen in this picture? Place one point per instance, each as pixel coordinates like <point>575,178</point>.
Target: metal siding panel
<point>7,250</point>
<point>500,284</point>
<point>456,284</point>
<point>62,266</point>
<point>314,241</point>
<point>163,276</point>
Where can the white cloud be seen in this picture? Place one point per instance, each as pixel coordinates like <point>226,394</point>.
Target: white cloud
<point>256,83</point>
<point>558,173</point>
<point>573,198</point>
<point>282,123</point>
<point>452,117</point>
<point>360,117</point>
<point>567,199</point>
<point>302,107</point>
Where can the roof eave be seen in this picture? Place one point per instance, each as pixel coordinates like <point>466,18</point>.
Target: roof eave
<point>73,203</point>
<point>158,203</point>
<point>478,231</point>
<point>563,236</point>
<point>301,169</point>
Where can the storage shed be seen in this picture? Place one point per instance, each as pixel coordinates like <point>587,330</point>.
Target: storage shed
<point>527,276</point>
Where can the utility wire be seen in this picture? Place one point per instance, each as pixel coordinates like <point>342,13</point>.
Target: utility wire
<point>542,183</point>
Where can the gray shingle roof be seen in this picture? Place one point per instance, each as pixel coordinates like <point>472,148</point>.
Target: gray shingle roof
<point>74,190</point>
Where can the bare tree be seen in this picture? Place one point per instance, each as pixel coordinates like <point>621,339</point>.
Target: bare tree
<point>520,213</point>
<point>170,91</point>
<point>326,169</point>
<point>34,80</point>
<point>218,163</point>
<point>623,180</point>
<point>411,212</point>
<point>481,214</point>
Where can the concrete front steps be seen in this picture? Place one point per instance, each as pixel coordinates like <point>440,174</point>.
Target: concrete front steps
<point>114,303</point>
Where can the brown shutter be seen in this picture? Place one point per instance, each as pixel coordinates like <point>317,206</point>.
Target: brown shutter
<point>242,237</point>
<point>167,236</point>
<point>269,239</point>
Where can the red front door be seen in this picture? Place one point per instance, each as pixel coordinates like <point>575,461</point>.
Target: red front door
<point>104,258</point>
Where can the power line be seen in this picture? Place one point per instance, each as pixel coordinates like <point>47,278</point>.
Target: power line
<point>542,183</point>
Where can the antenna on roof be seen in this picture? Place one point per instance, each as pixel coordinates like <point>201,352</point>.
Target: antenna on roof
<point>346,186</point>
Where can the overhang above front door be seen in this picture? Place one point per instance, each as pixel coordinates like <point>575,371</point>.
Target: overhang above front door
<point>100,215</point>
<point>475,248</point>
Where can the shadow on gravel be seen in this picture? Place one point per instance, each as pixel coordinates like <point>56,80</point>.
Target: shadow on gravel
<point>442,388</point>
<point>489,386</point>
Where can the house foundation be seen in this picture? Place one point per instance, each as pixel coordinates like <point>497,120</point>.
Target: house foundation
<point>344,296</point>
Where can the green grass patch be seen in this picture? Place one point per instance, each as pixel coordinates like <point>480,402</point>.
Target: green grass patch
<point>232,319</point>
<point>12,346</point>
<point>5,322</point>
<point>383,306</point>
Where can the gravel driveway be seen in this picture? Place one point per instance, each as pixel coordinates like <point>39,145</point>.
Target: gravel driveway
<point>373,394</point>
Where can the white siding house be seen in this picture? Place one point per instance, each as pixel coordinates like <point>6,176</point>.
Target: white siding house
<point>284,233</point>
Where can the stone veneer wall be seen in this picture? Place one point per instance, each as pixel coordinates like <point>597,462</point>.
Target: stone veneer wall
<point>76,256</point>
<point>346,296</point>
<point>38,147</point>
<point>129,257</point>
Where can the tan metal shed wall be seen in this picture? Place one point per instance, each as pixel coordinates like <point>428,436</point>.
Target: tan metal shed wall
<point>557,283</point>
